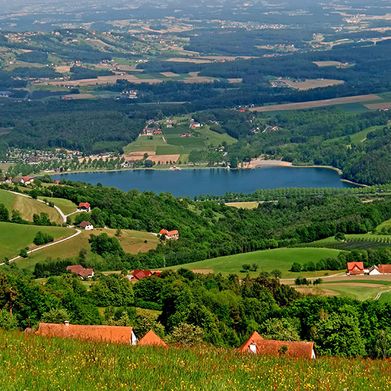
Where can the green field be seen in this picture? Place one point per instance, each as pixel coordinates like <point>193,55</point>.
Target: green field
<point>172,142</point>
<point>66,206</point>
<point>355,241</point>
<point>131,241</point>
<point>37,363</point>
<point>14,237</point>
<point>27,207</point>
<point>266,260</point>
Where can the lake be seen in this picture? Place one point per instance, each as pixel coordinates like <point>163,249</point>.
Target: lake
<point>193,182</point>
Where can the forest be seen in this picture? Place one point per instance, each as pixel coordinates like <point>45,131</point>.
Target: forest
<point>214,309</point>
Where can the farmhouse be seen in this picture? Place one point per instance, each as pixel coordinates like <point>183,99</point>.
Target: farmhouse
<point>257,345</point>
<point>82,272</point>
<point>170,235</point>
<point>151,339</point>
<point>84,207</point>
<point>24,180</point>
<point>354,268</point>
<point>86,225</point>
<point>112,334</point>
<point>372,271</point>
<point>137,275</point>
<point>385,269</point>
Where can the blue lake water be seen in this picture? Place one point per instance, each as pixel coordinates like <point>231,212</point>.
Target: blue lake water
<point>195,182</point>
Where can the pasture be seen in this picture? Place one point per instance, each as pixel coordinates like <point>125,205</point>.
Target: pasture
<point>66,206</point>
<point>27,207</point>
<point>173,142</point>
<point>38,363</point>
<point>14,237</point>
<point>131,241</point>
<point>266,260</point>
<point>309,84</point>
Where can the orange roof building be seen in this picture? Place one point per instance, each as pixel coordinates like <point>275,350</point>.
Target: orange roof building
<point>354,268</point>
<point>384,269</point>
<point>174,234</point>
<point>257,345</point>
<point>81,271</point>
<point>96,333</point>
<point>151,339</point>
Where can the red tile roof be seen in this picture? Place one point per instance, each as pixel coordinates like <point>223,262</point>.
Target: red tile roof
<point>169,233</point>
<point>84,224</point>
<point>385,269</point>
<point>152,339</point>
<point>80,270</point>
<point>278,348</point>
<point>85,205</point>
<point>114,334</point>
<point>140,274</point>
<point>355,267</point>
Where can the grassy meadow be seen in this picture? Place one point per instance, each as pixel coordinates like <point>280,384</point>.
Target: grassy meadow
<point>266,260</point>
<point>14,237</point>
<point>27,207</point>
<point>171,141</point>
<point>131,241</point>
<point>37,363</point>
<point>66,206</point>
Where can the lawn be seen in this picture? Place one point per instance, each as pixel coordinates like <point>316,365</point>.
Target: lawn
<point>14,237</point>
<point>131,241</point>
<point>244,204</point>
<point>266,260</point>
<point>385,297</point>
<point>66,206</point>
<point>27,207</point>
<point>37,363</point>
<point>144,143</point>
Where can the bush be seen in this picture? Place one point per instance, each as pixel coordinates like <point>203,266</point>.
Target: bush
<point>42,238</point>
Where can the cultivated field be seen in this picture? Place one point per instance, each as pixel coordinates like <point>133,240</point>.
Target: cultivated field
<point>335,64</point>
<point>379,106</point>
<point>131,241</point>
<point>27,207</point>
<point>171,147</point>
<point>14,237</point>
<point>317,103</point>
<point>310,84</point>
<point>35,363</point>
<point>266,260</point>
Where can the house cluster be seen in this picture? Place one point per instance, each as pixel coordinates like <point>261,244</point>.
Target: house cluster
<point>125,335</point>
<point>24,180</point>
<point>169,235</point>
<point>152,128</point>
<point>137,275</point>
<point>97,333</point>
<point>357,268</point>
<point>186,135</point>
<point>80,271</point>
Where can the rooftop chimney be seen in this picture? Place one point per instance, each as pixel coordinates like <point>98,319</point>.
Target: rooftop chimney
<point>66,323</point>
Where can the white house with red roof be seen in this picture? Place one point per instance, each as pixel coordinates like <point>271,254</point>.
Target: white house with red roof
<point>86,225</point>
<point>354,268</point>
<point>170,235</point>
<point>84,207</point>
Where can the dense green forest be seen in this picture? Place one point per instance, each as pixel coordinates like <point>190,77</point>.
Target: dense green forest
<point>219,310</point>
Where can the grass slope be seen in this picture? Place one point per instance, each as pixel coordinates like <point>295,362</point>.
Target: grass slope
<point>131,241</point>
<point>14,237</point>
<point>267,260</point>
<point>66,206</point>
<point>36,363</point>
<point>27,207</point>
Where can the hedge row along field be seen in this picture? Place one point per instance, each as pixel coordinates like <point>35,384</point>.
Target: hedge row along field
<point>34,363</point>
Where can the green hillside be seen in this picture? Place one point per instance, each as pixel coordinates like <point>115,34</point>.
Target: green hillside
<point>266,260</point>
<point>36,363</point>
<point>27,207</point>
<point>14,237</point>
